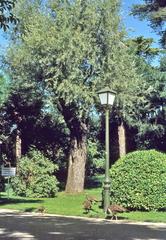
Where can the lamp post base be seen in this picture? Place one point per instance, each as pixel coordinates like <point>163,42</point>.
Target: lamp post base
<point>106,195</point>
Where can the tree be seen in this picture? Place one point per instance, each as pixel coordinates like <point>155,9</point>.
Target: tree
<point>147,111</point>
<point>155,12</point>
<point>163,64</point>
<point>6,15</point>
<point>72,49</point>
<point>4,89</point>
<point>142,47</point>
<point>4,93</point>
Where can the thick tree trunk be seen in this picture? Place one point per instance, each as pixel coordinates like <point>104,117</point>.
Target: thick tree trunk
<point>78,150</point>
<point>76,167</point>
<point>122,140</point>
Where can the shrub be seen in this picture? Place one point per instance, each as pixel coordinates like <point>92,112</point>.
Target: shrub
<point>139,180</point>
<point>35,176</point>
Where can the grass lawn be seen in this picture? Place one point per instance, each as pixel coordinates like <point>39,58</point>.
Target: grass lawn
<point>71,205</point>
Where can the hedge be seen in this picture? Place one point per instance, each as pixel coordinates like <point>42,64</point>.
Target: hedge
<point>138,180</point>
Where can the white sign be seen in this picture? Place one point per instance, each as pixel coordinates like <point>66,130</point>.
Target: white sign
<point>8,171</point>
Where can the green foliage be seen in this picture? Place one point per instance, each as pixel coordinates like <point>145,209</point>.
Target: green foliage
<point>71,50</point>
<point>139,180</point>
<point>163,63</point>
<point>4,89</point>
<point>95,158</point>
<point>6,15</point>
<point>155,12</point>
<point>145,109</point>
<point>142,46</point>
<point>35,176</point>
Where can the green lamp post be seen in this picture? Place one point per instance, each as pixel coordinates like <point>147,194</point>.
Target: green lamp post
<point>107,97</point>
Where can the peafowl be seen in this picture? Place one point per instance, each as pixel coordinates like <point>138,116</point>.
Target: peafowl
<point>114,209</point>
<point>87,205</point>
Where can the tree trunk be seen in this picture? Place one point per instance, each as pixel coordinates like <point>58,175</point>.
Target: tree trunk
<point>76,167</point>
<point>122,140</point>
<point>18,148</point>
<point>78,150</point>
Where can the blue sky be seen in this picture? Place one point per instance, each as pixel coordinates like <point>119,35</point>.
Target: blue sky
<point>133,25</point>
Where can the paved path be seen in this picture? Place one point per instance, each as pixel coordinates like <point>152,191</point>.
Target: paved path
<point>15,225</point>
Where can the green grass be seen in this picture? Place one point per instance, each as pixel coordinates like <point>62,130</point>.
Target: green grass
<point>64,204</point>
<point>71,205</point>
<point>146,216</point>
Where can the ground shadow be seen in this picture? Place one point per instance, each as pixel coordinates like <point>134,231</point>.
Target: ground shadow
<point>91,211</point>
<point>17,226</point>
<point>32,209</point>
<point>4,201</point>
<point>109,217</point>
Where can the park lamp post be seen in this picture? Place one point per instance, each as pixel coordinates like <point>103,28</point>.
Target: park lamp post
<point>0,152</point>
<point>107,97</point>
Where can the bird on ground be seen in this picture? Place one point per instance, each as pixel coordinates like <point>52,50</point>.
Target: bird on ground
<point>114,209</point>
<point>41,210</point>
<point>91,199</point>
<point>87,205</point>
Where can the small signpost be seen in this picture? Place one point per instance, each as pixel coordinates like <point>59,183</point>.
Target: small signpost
<point>8,172</point>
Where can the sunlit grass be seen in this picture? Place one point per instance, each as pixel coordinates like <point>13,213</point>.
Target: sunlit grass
<point>146,216</point>
<point>65,204</point>
<point>72,205</point>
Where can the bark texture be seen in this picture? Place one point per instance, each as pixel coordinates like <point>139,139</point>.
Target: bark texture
<point>18,147</point>
<point>78,149</point>
<point>76,166</point>
<point>122,140</point>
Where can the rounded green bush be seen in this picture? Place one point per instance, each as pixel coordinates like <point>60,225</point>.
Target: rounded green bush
<point>35,176</point>
<point>138,180</point>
